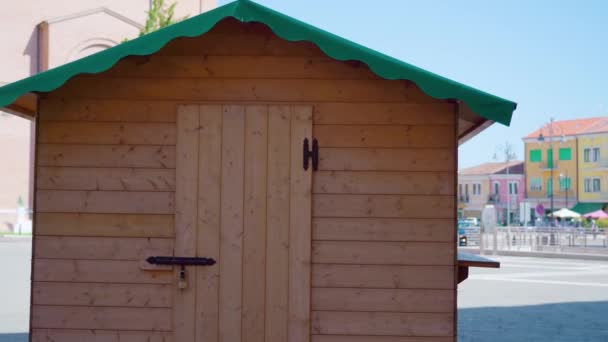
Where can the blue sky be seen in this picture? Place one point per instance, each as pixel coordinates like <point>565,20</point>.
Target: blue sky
<point>551,57</point>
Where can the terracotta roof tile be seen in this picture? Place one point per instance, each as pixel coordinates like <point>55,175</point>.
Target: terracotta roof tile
<point>573,127</point>
<point>601,126</point>
<point>487,168</point>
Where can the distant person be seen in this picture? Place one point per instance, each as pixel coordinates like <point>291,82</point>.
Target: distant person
<point>593,229</point>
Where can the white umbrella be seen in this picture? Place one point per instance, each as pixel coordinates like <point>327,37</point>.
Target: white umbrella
<point>565,213</point>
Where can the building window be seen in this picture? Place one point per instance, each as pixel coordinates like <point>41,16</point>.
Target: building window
<point>460,189</point>
<point>565,154</point>
<point>513,188</point>
<point>466,190</point>
<point>476,189</point>
<point>549,187</point>
<point>595,154</point>
<point>550,158</point>
<point>536,156</point>
<point>496,188</point>
<point>592,185</point>
<point>564,183</point>
<point>591,155</point>
<point>536,184</point>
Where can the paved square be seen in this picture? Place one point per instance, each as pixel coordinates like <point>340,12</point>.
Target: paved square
<point>534,299</point>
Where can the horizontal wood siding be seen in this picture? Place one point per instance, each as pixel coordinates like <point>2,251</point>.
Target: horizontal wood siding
<point>79,335</point>
<point>383,200</point>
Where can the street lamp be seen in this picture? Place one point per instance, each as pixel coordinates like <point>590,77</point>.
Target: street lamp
<point>564,180</point>
<point>541,138</point>
<point>507,153</point>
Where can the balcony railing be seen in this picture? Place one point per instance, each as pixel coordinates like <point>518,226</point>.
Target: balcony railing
<point>600,164</point>
<point>546,165</point>
<point>494,198</point>
<point>463,199</point>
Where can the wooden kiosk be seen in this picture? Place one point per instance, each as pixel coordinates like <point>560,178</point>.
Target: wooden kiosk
<point>243,176</point>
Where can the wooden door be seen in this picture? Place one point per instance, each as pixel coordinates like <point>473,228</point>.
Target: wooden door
<point>243,198</point>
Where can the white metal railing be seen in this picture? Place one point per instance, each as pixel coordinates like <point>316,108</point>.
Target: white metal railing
<point>545,239</point>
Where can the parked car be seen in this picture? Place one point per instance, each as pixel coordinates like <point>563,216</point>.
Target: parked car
<point>468,232</point>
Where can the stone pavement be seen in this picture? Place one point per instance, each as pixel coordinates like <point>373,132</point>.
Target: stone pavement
<point>535,299</point>
<point>15,255</point>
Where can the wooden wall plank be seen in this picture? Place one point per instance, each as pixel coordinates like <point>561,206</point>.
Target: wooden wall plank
<point>106,133</point>
<point>117,225</point>
<point>277,244</point>
<point>79,335</point>
<point>382,300</point>
<point>228,44</point>
<point>404,206</point>
<point>378,159</point>
<point>209,211</point>
<point>106,156</point>
<point>231,243</point>
<point>364,338</point>
<point>383,253</point>
<point>300,229</point>
<point>91,294</point>
<point>97,271</point>
<point>107,111</point>
<point>406,113</point>
<point>383,323</point>
<point>227,90</point>
<point>105,179</point>
<point>254,230</point>
<point>370,182</point>
<point>211,66</point>
<point>186,219</point>
<point>95,248</point>
<point>383,136</point>
<point>105,202</point>
<point>383,229</point>
<point>79,317</point>
<point>101,248</point>
<point>383,276</point>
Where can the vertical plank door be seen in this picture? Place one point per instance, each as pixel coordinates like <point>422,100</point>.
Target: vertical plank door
<point>243,198</point>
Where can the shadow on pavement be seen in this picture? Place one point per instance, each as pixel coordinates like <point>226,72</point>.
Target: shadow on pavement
<point>13,337</point>
<point>576,322</point>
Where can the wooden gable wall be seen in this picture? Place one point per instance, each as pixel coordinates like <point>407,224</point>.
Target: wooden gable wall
<point>383,249</point>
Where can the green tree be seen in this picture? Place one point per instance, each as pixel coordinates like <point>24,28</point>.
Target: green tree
<point>160,15</point>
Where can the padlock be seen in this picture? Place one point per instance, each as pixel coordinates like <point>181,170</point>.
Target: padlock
<point>182,283</point>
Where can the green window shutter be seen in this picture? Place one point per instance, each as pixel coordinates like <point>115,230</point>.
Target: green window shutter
<point>549,187</point>
<point>536,156</point>
<point>550,158</point>
<point>565,154</point>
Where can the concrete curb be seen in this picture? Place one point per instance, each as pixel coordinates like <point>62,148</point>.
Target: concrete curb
<point>575,256</point>
<point>15,238</point>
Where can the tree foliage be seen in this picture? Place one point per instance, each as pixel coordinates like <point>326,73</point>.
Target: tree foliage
<point>160,15</point>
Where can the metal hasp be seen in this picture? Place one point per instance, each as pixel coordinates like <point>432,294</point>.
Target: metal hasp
<point>181,261</point>
<point>314,154</point>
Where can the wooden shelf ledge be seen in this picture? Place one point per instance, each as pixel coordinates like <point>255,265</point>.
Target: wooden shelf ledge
<point>466,260</point>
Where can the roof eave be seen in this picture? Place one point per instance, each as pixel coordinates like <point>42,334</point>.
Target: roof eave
<point>25,106</point>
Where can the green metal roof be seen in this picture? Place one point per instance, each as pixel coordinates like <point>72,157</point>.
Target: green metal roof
<point>483,104</point>
<point>586,208</point>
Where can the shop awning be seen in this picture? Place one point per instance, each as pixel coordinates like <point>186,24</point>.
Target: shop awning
<point>586,207</point>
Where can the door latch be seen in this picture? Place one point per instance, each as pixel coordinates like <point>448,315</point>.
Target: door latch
<point>311,154</point>
<point>182,262</point>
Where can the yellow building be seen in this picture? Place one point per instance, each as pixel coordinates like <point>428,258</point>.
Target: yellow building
<point>575,152</point>
<point>593,167</point>
<point>542,163</point>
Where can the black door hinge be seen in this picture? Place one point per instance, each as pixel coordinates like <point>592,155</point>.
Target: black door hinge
<point>314,154</point>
